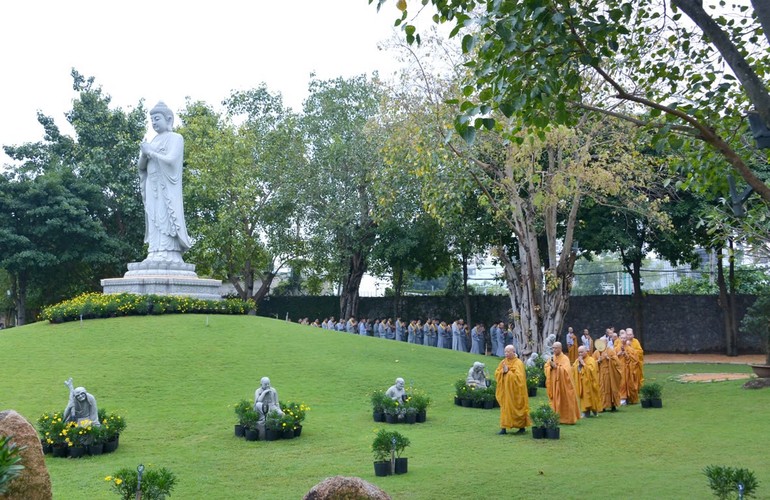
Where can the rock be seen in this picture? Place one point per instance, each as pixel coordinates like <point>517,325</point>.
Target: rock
<point>345,488</point>
<point>757,383</point>
<point>34,483</point>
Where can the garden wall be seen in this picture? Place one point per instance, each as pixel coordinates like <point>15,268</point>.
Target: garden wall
<point>673,323</point>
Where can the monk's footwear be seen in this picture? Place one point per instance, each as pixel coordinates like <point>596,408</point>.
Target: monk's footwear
<point>614,409</point>
<point>502,431</point>
<point>520,431</point>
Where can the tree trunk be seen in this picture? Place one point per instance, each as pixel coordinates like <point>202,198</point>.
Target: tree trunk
<point>264,288</point>
<point>20,299</point>
<point>398,285</point>
<point>727,302</point>
<point>349,297</point>
<point>634,268</point>
<point>466,296</point>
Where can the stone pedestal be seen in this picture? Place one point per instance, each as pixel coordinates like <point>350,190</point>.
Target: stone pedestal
<point>163,278</point>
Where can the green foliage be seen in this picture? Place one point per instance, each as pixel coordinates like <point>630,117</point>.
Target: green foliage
<point>294,413</point>
<point>385,441</point>
<point>97,305</point>
<point>535,375</point>
<point>157,483</point>
<point>10,462</point>
<point>749,280</point>
<point>273,421</point>
<point>757,320</point>
<point>242,408</point>
<point>724,481</point>
<point>650,390</point>
<point>544,416</point>
<point>379,400</point>
<point>461,389</point>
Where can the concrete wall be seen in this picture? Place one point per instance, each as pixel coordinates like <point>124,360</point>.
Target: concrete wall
<point>673,323</point>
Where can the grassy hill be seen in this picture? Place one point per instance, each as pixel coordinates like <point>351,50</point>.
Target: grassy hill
<point>175,378</point>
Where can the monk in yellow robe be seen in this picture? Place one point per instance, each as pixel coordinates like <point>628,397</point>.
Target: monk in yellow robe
<point>586,375</point>
<point>560,386</point>
<point>511,392</point>
<point>629,361</point>
<point>638,348</point>
<point>572,345</point>
<point>610,377</point>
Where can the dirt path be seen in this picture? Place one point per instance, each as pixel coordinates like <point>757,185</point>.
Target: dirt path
<point>653,358</point>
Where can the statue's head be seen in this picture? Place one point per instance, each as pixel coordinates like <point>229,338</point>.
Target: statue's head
<point>265,383</point>
<point>80,393</point>
<point>478,366</point>
<point>161,117</point>
<point>400,383</point>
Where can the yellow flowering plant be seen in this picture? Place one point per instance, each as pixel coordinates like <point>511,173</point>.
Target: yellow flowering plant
<point>295,413</point>
<point>50,426</point>
<point>157,483</point>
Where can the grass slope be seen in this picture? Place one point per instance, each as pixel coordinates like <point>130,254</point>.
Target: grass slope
<point>175,379</point>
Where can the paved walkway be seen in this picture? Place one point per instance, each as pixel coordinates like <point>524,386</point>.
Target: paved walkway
<point>704,358</point>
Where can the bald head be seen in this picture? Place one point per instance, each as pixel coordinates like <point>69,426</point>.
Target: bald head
<point>556,348</point>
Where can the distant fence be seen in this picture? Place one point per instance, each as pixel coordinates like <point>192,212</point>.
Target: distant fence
<point>672,323</point>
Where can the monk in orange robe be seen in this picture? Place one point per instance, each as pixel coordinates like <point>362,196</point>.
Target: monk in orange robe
<point>638,347</point>
<point>561,387</point>
<point>586,375</point>
<point>629,361</point>
<point>572,345</point>
<point>610,377</point>
<point>511,392</point>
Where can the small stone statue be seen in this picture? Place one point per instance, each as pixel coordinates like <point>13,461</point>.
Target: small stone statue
<point>397,392</point>
<point>477,379</point>
<point>531,361</point>
<point>266,400</point>
<point>548,346</point>
<point>81,406</point>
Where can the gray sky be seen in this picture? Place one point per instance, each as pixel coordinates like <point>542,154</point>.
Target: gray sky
<point>169,50</point>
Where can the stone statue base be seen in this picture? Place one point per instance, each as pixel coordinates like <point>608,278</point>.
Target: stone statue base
<point>163,278</point>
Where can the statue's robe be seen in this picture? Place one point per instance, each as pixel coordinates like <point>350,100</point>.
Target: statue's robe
<point>561,389</point>
<point>511,394</point>
<point>160,179</point>
<point>587,384</point>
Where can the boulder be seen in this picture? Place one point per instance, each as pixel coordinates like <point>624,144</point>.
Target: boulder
<point>34,483</point>
<point>345,488</point>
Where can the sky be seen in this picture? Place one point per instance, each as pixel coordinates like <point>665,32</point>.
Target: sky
<point>170,50</point>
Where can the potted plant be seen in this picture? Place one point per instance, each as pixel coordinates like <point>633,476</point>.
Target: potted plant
<point>533,380</point>
<point>250,423</point>
<point>78,437</point>
<point>98,438</point>
<point>487,397</point>
<point>461,392</point>
<point>724,481</point>
<point>114,425</point>
<point>389,445</point>
<point>540,364</point>
<point>297,412</point>
<point>649,394</point>
<point>157,483</point>
<point>757,320</point>
<point>273,425</point>
<point>551,422</point>
<point>538,416</point>
<point>45,424</point>
<point>287,426</point>
<point>392,411</point>
<point>379,400</point>
<point>241,408</point>
<point>420,400</point>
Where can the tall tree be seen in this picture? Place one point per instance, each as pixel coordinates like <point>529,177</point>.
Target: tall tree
<point>535,60</point>
<point>242,188</point>
<point>344,156</point>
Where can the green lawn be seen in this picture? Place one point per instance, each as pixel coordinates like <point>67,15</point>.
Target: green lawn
<point>175,379</point>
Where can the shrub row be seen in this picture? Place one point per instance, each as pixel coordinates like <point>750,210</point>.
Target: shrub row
<point>98,305</point>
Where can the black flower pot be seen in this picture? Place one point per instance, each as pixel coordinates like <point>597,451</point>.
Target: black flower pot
<point>402,465</point>
<point>59,451</point>
<point>421,417</point>
<point>239,430</point>
<point>646,403</point>
<point>656,403</point>
<point>96,449</point>
<point>382,468</point>
<point>488,405</point>
<point>458,401</point>
<point>478,404</point>
<point>298,431</point>
<point>251,434</point>
<point>378,416</point>
<point>538,432</point>
<point>271,435</point>
<point>410,418</point>
<point>552,433</point>
<point>531,392</point>
<point>110,446</point>
<point>77,451</point>
<point>391,419</point>
<point>467,403</point>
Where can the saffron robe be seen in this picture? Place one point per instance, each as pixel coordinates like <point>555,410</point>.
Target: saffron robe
<point>561,389</point>
<point>572,349</point>
<point>511,394</point>
<point>629,361</point>
<point>587,384</point>
<point>610,377</point>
